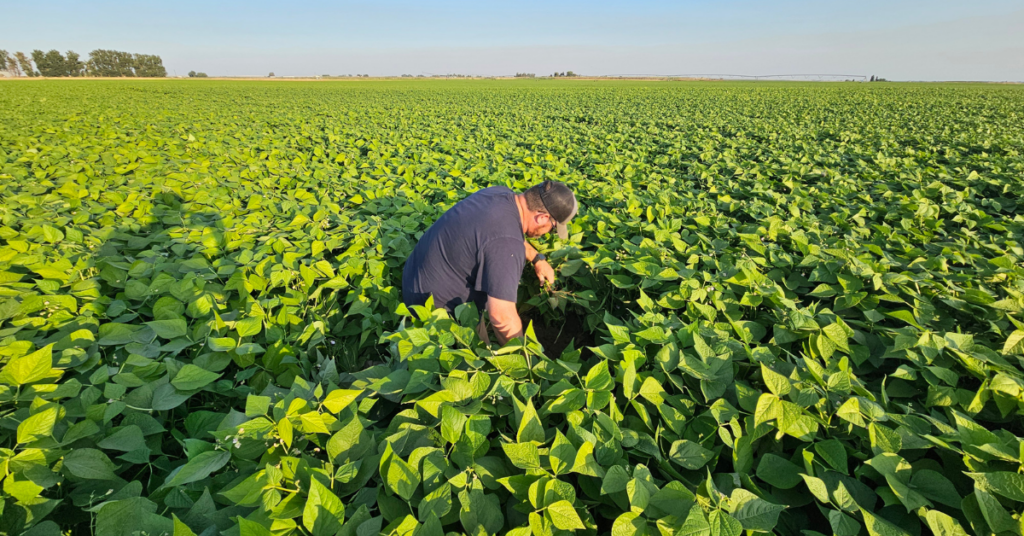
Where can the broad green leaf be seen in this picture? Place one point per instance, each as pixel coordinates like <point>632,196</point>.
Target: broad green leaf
<point>530,427</point>
<point>629,524</point>
<point>561,455</point>
<point>198,468</point>
<point>778,472</point>
<point>90,464</point>
<point>598,378</point>
<point>29,368</point>
<point>324,512</point>
<point>877,526</point>
<point>564,516</point>
<point>943,525</point>
<point>169,329</point>
<point>752,512</point>
<point>37,426</point>
<point>339,399</point>
<point>191,377</point>
<point>1009,485</point>
<point>690,455</point>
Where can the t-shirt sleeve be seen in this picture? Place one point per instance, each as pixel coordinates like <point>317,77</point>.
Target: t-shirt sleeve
<point>500,268</point>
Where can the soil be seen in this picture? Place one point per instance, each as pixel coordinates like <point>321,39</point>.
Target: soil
<point>555,337</point>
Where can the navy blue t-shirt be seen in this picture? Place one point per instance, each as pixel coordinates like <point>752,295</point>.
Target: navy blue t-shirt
<point>473,251</point>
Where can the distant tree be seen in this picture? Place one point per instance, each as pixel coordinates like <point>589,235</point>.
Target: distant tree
<point>110,63</point>
<point>4,59</point>
<point>11,64</point>
<point>24,63</point>
<point>271,75</point>
<point>872,78</point>
<point>202,75</point>
<point>148,65</point>
<point>191,74</point>
<point>570,73</point>
<point>50,64</point>
<point>73,66</point>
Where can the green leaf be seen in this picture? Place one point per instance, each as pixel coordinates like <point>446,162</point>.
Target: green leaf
<point>598,378</point>
<point>877,526</point>
<point>191,377</point>
<point>561,455</point>
<point>1014,343</point>
<point>221,344</point>
<point>696,524</point>
<point>251,528</point>
<point>752,512</point>
<point>778,472</point>
<point>522,455</point>
<point>937,487</point>
<point>452,423</point>
<point>256,405</point>
<point>564,516</point>
<point>884,439</point>
<point>324,512</point>
<point>126,439</point>
<point>585,463</point>
<point>998,519</point>
<point>834,453</point>
<point>169,329</point>
<point>249,326</point>
<point>629,524</point>
<point>1009,485</point>
<point>401,478</point>
<point>28,368</point>
<point>37,426</point>
<point>777,383</point>
<point>530,427</point>
<point>180,528</point>
<point>131,516</point>
<point>198,468</point>
<point>339,399</point>
<point>897,473</point>
<point>480,511</point>
<point>690,455</point>
<point>722,524</point>
<point>615,480</point>
<point>943,525</point>
<point>89,464</point>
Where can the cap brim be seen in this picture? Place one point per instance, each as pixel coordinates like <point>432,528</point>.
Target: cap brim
<point>563,231</point>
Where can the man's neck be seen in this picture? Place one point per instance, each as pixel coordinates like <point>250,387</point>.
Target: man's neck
<point>523,211</point>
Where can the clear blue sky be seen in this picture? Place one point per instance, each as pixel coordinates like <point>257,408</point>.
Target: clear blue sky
<point>897,39</point>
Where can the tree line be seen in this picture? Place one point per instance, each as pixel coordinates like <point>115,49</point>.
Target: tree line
<point>113,63</point>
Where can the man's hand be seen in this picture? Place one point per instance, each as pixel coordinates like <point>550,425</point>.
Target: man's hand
<point>545,273</point>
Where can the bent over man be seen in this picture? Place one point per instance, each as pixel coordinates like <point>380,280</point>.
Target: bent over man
<point>476,251</point>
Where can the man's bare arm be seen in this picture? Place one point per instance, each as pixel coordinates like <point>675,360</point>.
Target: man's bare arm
<point>505,319</point>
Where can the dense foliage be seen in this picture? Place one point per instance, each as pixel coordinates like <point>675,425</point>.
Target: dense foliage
<point>799,308</point>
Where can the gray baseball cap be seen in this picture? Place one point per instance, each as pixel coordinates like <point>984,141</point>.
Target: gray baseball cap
<point>561,204</point>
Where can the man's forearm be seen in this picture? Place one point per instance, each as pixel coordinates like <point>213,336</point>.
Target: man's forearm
<point>507,327</point>
<point>531,251</point>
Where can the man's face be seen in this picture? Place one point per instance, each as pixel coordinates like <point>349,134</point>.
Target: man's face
<point>541,224</point>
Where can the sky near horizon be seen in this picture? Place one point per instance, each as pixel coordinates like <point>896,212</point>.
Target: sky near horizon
<point>896,39</point>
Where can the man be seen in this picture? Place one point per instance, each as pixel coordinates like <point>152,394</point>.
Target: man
<point>477,250</point>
